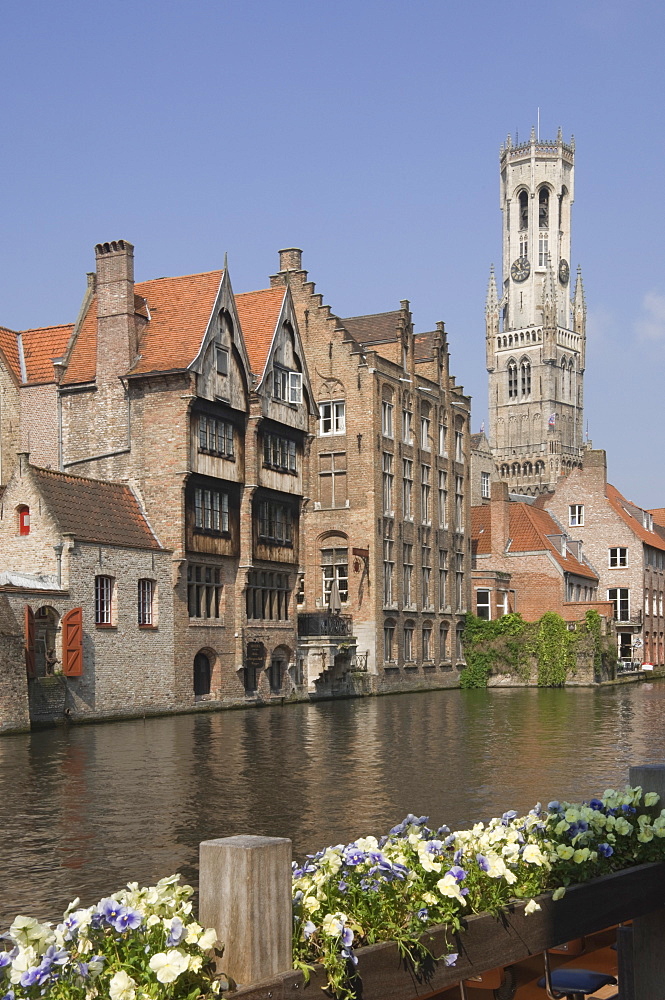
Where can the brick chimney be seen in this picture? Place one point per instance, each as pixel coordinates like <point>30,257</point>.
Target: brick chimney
<point>499,517</point>
<point>116,327</point>
<point>594,471</point>
<point>290,260</point>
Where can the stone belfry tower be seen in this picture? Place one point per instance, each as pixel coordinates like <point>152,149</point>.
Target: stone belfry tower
<point>535,334</point>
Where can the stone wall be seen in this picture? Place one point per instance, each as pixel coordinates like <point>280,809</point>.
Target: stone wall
<point>14,715</point>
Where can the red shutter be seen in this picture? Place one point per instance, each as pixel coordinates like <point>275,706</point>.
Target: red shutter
<point>29,628</point>
<point>72,643</point>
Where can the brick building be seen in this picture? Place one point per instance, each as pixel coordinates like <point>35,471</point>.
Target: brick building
<point>626,546</point>
<point>84,574</point>
<point>524,561</point>
<point>386,514</point>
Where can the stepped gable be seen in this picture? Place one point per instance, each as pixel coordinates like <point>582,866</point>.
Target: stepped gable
<point>174,314</point>
<point>258,313</point>
<point>9,348</point>
<point>378,328</point>
<point>40,347</point>
<point>630,513</point>
<point>93,510</point>
<point>529,528</point>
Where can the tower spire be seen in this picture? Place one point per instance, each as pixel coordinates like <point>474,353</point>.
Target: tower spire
<point>579,305</point>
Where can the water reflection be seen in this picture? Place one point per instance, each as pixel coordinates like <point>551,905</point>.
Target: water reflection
<point>88,808</point>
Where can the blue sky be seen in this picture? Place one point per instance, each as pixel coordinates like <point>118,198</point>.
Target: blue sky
<point>367,133</point>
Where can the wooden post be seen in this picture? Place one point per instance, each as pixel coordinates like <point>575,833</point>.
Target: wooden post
<point>649,931</point>
<point>245,894</point>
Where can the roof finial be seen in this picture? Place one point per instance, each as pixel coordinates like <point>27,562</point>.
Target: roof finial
<point>533,133</point>
<point>226,260</point>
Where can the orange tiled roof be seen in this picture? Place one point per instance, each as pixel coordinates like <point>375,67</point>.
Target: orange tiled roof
<point>9,348</point>
<point>40,347</point>
<point>180,309</point>
<point>618,502</point>
<point>658,514</point>
<point>258,313</point>
<point>528,528</point>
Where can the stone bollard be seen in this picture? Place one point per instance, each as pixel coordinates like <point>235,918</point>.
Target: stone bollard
<point>649,931</point>
<point>245,894</point>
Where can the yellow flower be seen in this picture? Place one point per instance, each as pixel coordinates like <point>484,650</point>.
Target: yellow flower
<point>559,893</point>
<point>564,851</point>
<point>651,798</point>
<point>580,855</point>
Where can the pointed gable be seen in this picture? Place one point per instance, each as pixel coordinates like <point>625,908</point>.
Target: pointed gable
<point>40,347</point>
<point>629,513</point>
<point>9,349</point>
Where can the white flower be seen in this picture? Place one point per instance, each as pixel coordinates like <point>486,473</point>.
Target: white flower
<point>122,986</point>
<point>559,893</point>
<point>533,855</point>
<point>208,939</point>
<point>152,920</point>
<point>168,966</point>
<point>26,959</point>
<point>448,886</point>
<point>531,907</point>
<point>651,798</point>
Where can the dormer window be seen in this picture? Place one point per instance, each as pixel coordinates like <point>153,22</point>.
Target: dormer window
<point>23,520</point>
<point>222,357</point>
<point>287,385</point>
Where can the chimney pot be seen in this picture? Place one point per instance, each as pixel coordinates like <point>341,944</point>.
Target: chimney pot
<point>290,259</point>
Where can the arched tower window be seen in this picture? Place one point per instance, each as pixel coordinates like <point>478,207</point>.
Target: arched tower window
<point>525,372</point>
<point>543,208</point>
<point>512,379</point>
<point>524,210</point>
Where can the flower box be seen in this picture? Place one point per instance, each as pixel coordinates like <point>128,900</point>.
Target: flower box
<point>488,941</point>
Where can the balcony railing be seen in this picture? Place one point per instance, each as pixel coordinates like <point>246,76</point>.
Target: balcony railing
<point>324,623</point>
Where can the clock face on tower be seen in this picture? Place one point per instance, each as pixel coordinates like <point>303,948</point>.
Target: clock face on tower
<point>521,269</point>
<point>564,271</point>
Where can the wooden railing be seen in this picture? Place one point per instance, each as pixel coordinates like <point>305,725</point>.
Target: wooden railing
<point>245,893</point>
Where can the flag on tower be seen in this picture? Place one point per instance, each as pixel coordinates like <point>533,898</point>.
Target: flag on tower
<point>552,420</point>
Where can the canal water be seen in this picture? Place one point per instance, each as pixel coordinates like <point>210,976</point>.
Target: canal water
<point>86,809</point>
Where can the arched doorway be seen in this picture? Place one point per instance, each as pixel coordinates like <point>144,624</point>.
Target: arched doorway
<point>202,674</point>
<point>48,654</point>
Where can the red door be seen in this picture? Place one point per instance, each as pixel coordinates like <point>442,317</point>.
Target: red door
<point>72,643</point>
<point>29,631</point>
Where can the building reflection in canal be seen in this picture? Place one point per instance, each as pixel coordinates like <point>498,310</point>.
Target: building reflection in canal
<point>89,808</point>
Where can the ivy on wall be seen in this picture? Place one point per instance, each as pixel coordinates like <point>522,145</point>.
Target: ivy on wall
<point>509,645</point>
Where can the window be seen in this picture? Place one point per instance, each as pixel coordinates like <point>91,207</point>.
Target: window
<point>443,499</point>
<point>443,440</point>
<point>459,504</point>
<point>660,603</point>
<point>459,648</point>
<point>204,591</point>
<point>426,570</point>
<point>407,489</point>
<point>543,208</point>
<point>425,433</point>
<point>459,446</point>
<point>512,380</point>
<point>267,595</point>
<point>104,600</point>
<point>443,641</point>
<point>222,358</point>
<point>501,603</point>
<point>618,558</point>
<point>408,642</point>
<point>145,601</point>
<point>23,520</point>
<point>443,578</point>
<point>215,436</point>
<point>389,641</point>
<point>388,570</point>
<point>525,372</point>
<point>332,479</point>
<point>543,250</point>
<point>279,453</point>
<point>388,483</point>
<point>276,672</point>
<point>300,596</point>
<point>524,246</point>
<point>387,419</point>
<point>275,522</point>
<point>576,515</point>
<point>646,602</point>
<point>620,597</point>
<point>483,606</point>
<point>332,417</point>
<point>459,581</point>
<point>524,210</point>
<point>485,485</point>
<point>407,426</point>
<point>647,520</point>
<point>425,489</point>
<point>427,642</point>
<point>335,564</point>
<point>211,511</point>
<point>287,385</point>
<point>408,575</point>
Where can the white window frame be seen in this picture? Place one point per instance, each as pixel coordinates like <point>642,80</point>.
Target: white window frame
<point>332,417</point>
<point>104,600</point>
<point>485,485</point>
<point>387,411</point>
<point>486,604</point>
<point>146,599</point>
<point>618,600</point>
<point>576,515</point>
<point>617,560</point>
